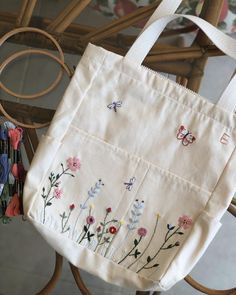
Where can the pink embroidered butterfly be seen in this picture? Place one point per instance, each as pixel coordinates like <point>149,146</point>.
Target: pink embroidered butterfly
<point>185,136</point>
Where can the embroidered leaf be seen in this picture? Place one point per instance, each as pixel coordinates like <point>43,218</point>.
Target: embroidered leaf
<point>180,233</point>
<point>89,236</point>
<point>99,235</point>
<point>149,259</point>
<point>106,240</point>
<point>57,176</point>
<point>48,204</point>
<point>133,212</point>
<point>102,223</point>
<point>155,265</point>
<point>136,242</point>
<point>44,196</point>
<point>85,228</point>
<point>170,246</point>
<point>136,253</point>
<point>43,189</point>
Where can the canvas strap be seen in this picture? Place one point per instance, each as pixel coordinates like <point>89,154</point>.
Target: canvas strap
<point>156,24</point>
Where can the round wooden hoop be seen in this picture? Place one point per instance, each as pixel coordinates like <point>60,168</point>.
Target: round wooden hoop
<point>5,37</point>
<point>12,58</point>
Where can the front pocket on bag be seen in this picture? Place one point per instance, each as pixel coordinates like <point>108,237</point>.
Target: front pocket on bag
<point>197,242</point>
<point>171,206</point>
<point>117,205</point>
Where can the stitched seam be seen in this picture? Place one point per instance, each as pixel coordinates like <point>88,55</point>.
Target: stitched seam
<point>191,108</point>
<point>162,170</point>
<point>59,143</point>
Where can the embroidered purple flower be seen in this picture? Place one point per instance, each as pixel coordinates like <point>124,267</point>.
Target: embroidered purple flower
<point>73,164</point>
<point>185,222</point>
<point>142,232</point>
<point>72,207</point>
<point>90,219</point>
<point>112,230</point>
<point>57,193</point>
<point>109,210</point>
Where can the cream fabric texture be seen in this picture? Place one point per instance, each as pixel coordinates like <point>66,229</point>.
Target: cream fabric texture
<point>134,174</point>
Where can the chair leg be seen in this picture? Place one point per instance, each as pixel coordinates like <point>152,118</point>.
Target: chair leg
<point>55,277</point>
<point>79,281</point>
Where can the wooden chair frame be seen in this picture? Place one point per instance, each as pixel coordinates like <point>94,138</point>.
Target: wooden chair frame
<point>186,63</point>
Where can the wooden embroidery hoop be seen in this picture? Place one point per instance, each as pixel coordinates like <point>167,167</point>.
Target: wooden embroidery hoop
<point>23,53</point>
<point>14,32</point>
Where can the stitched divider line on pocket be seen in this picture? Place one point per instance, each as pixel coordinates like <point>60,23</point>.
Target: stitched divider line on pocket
<point>203,231</point>
<point>44,156</point>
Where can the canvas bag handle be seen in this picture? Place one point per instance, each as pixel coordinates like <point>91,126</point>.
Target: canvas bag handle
<point>153,30</point>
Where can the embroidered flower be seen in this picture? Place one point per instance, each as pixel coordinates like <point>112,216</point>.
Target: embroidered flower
<point>90,219</point>
<point>72,207</point>
<point>109,210</point>
<point>99,228</point>
<point>73,163</point>
<point>185,222</point>
<point>112,230</point>
<point>142,232</point>
<point>57,193</point>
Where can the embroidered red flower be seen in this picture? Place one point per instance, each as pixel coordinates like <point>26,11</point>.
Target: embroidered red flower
<point>112,230</point>
<point>57,193</point>
<point>73,163</point>
<point>185,222</point>
<point>99,228</point>
<point>72,207</point>
<point>142,232</point>
<point>90,219</point>
<point>109,210</point>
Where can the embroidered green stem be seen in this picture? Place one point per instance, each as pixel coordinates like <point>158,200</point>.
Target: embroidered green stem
<point>53,183</point>
<point>63,230</point>
<point>136,243</point>
<point>150,259</point>
<point>110,243</point>
<point>144,251</point>
<point>92,193</point>
<point>103,231</point>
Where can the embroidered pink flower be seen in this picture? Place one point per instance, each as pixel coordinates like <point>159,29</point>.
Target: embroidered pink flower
<point>57,193</point>
<point>90,219</point>
<point>142,231</point>
<point>109,210</point>
<point>73,163</point>
<point>112,230</point>
<point>185,222</point>
<point>72,207</point>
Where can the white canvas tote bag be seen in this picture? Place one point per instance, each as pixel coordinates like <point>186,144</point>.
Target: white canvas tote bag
<point>135,172</point>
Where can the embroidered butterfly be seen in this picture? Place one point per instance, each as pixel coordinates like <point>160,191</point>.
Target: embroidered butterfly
<point>185,136</point>
<point>114,105</point>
